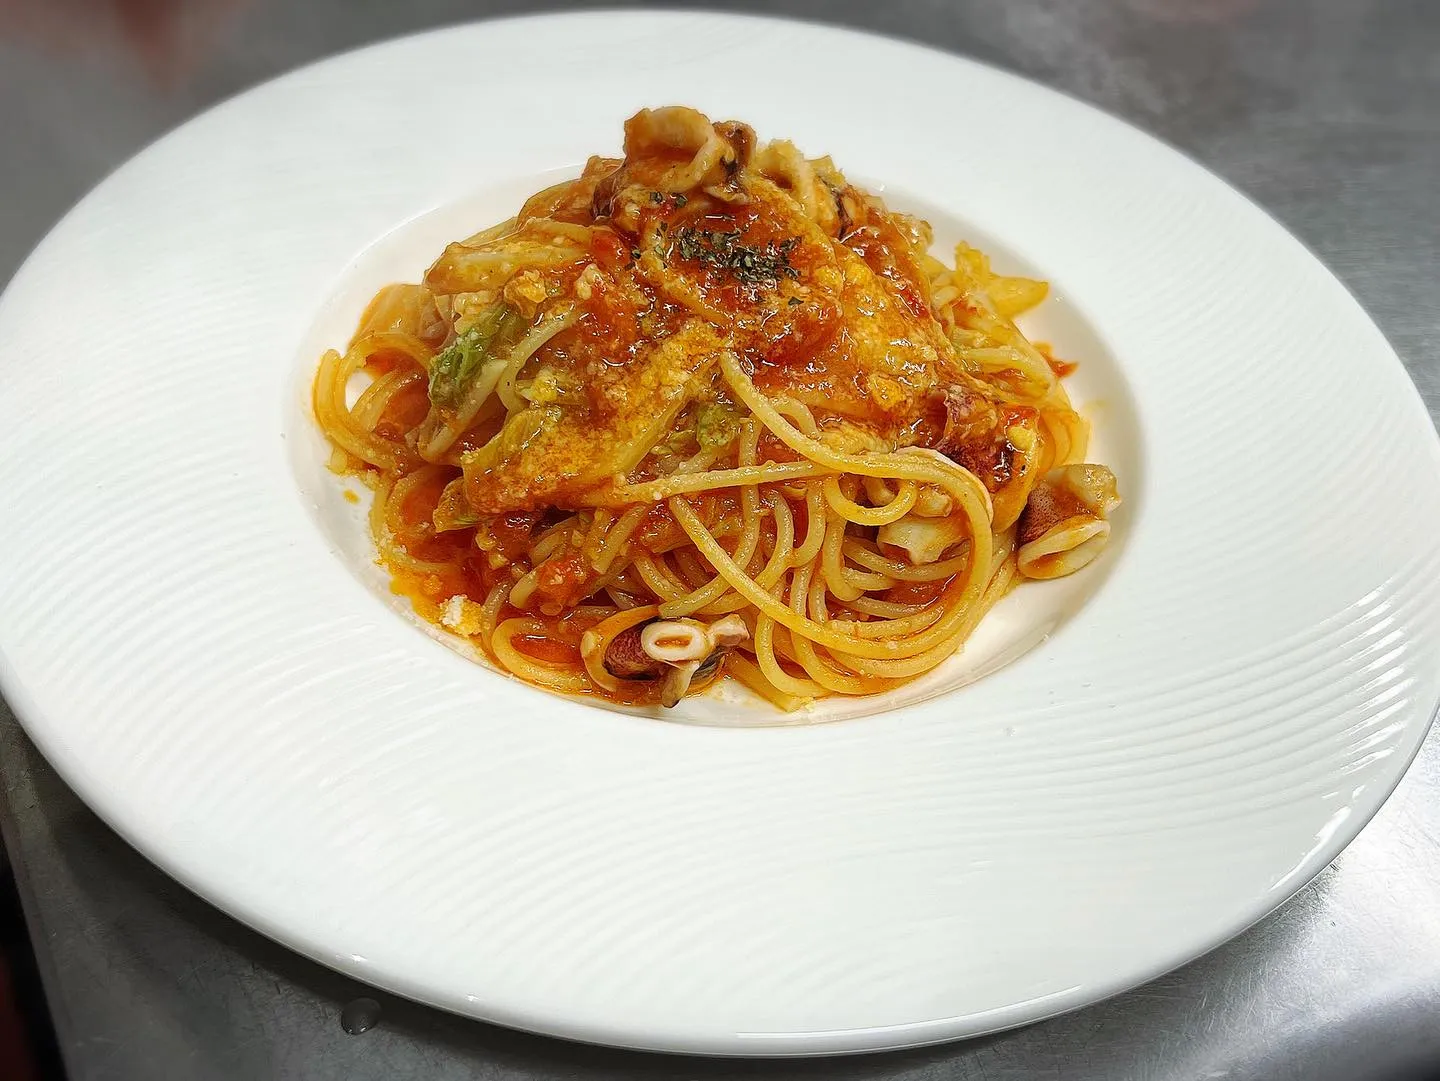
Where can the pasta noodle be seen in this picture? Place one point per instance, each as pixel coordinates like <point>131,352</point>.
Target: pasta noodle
<point>706,411</point>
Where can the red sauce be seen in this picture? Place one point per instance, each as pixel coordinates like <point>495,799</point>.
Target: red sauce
<point>512,532</point>
<point>609,250</point>
<point>1061,368</point>
<point>993,459</point>
<point>547,649</point>
<point>386,360</point>
<point>564,580</point>
<point>658,531</point>
<point>405,411</point>
<point>915,592</point>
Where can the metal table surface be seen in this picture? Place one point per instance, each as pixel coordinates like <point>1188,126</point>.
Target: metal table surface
<point>1326,111</point>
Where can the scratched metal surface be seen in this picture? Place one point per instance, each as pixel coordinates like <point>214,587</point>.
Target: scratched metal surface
<point>1327,112</point>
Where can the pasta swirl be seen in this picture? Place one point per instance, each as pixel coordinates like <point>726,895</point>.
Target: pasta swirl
<point>711,411</point>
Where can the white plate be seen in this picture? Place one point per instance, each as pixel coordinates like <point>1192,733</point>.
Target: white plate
<point>190,633</point>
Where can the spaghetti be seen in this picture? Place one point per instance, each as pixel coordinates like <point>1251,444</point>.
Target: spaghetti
<point>711,410</point>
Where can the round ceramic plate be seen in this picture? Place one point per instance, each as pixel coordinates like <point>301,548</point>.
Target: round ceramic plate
<point>1124,771</point>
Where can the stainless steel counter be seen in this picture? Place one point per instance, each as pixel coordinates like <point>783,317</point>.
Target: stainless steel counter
<point>1327,112</point>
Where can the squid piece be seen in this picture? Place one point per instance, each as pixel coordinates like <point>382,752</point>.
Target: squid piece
<point>677,651</point>
<point>921,539</point>
<point>653,137</point>
<point>1063,526</point>
<point>782,162</point>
